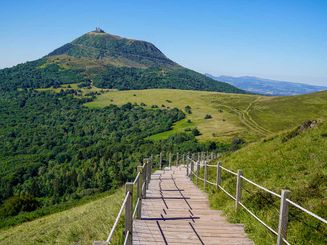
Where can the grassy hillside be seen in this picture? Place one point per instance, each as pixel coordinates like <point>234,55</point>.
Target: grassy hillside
<point>79,225</point>
<point>279,113</point>
<point>222,125</point>
<point>248,116</point>
<point>287,161</point>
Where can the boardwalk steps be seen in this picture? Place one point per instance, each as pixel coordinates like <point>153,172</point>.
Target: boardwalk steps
<point>176,212</point>
<point>170,209</point>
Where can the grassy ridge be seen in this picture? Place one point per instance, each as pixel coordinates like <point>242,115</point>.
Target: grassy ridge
<point>79,225</point>
<point>279,113</point>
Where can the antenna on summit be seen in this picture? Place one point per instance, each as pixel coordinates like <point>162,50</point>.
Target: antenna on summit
<point>98,29</point>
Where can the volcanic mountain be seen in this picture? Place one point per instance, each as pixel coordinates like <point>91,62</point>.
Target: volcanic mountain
<point>109,61</point>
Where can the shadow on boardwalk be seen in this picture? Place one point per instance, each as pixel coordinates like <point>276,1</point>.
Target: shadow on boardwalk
<point>176,212</point>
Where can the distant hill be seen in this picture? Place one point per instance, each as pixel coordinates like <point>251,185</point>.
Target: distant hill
<point>268,86</point>
<point>108,61</point>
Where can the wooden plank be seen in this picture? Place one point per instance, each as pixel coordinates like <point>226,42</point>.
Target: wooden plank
<point>185,219</point>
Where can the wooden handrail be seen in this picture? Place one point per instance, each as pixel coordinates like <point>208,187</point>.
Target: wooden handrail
<point>282,227</point>
<point>143,178</point>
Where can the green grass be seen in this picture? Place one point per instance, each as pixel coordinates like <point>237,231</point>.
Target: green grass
<point>79,225</point>
<point>248,116</point>
<point>223,125</point>
<point>178,127</point>
<point>279,113</point>
<point>299,165</point>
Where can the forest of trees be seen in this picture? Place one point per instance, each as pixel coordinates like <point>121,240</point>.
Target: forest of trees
<point>156,77</point>
<point>38,74</point>
<point>54,149</point>
<point>42,74</point>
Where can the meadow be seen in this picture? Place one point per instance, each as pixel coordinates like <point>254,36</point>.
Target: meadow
<point>251,117</point>
<point>222,125</point>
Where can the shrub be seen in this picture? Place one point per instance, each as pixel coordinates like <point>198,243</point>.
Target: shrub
<point>188,109</point>
<point>16,204</point>
<point>236,144</point>
<point>196,132</point>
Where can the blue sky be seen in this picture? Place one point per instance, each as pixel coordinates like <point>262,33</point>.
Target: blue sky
<point>284,40</point>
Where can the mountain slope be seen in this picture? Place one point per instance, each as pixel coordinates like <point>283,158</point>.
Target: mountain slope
<point>109,62</point>
<point>268,86</point>
<point>110,49</point>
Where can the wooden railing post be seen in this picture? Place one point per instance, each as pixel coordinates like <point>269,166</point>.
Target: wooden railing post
<point>283,217</point>
<point>218,177</point>
<point>129,213</point>
<point>192,169</point>
<point>150,170</point>
<point>160,160</point>
<point>177,159</point>
<point>139,193</point>
<point>238,188</point>
<point>183,159</point>
<point>187,166</point>
<point>170,160</point>
<point>205,175</point>
<point>144,182</point>
<point>147,174</point>
<point>197,171</point>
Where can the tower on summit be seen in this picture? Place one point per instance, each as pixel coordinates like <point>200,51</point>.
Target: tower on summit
<point>99,30</point>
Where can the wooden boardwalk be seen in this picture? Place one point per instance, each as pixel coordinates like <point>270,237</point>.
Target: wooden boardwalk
<point>175,211</point>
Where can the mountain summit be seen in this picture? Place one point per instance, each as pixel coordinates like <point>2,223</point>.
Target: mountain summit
<point>109,61</point>
<point>114,50</point>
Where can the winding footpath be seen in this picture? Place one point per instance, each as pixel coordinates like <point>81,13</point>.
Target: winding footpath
<point>175,211</point>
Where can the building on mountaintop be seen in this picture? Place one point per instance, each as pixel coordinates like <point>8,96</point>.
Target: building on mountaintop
<point>98,29</point>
